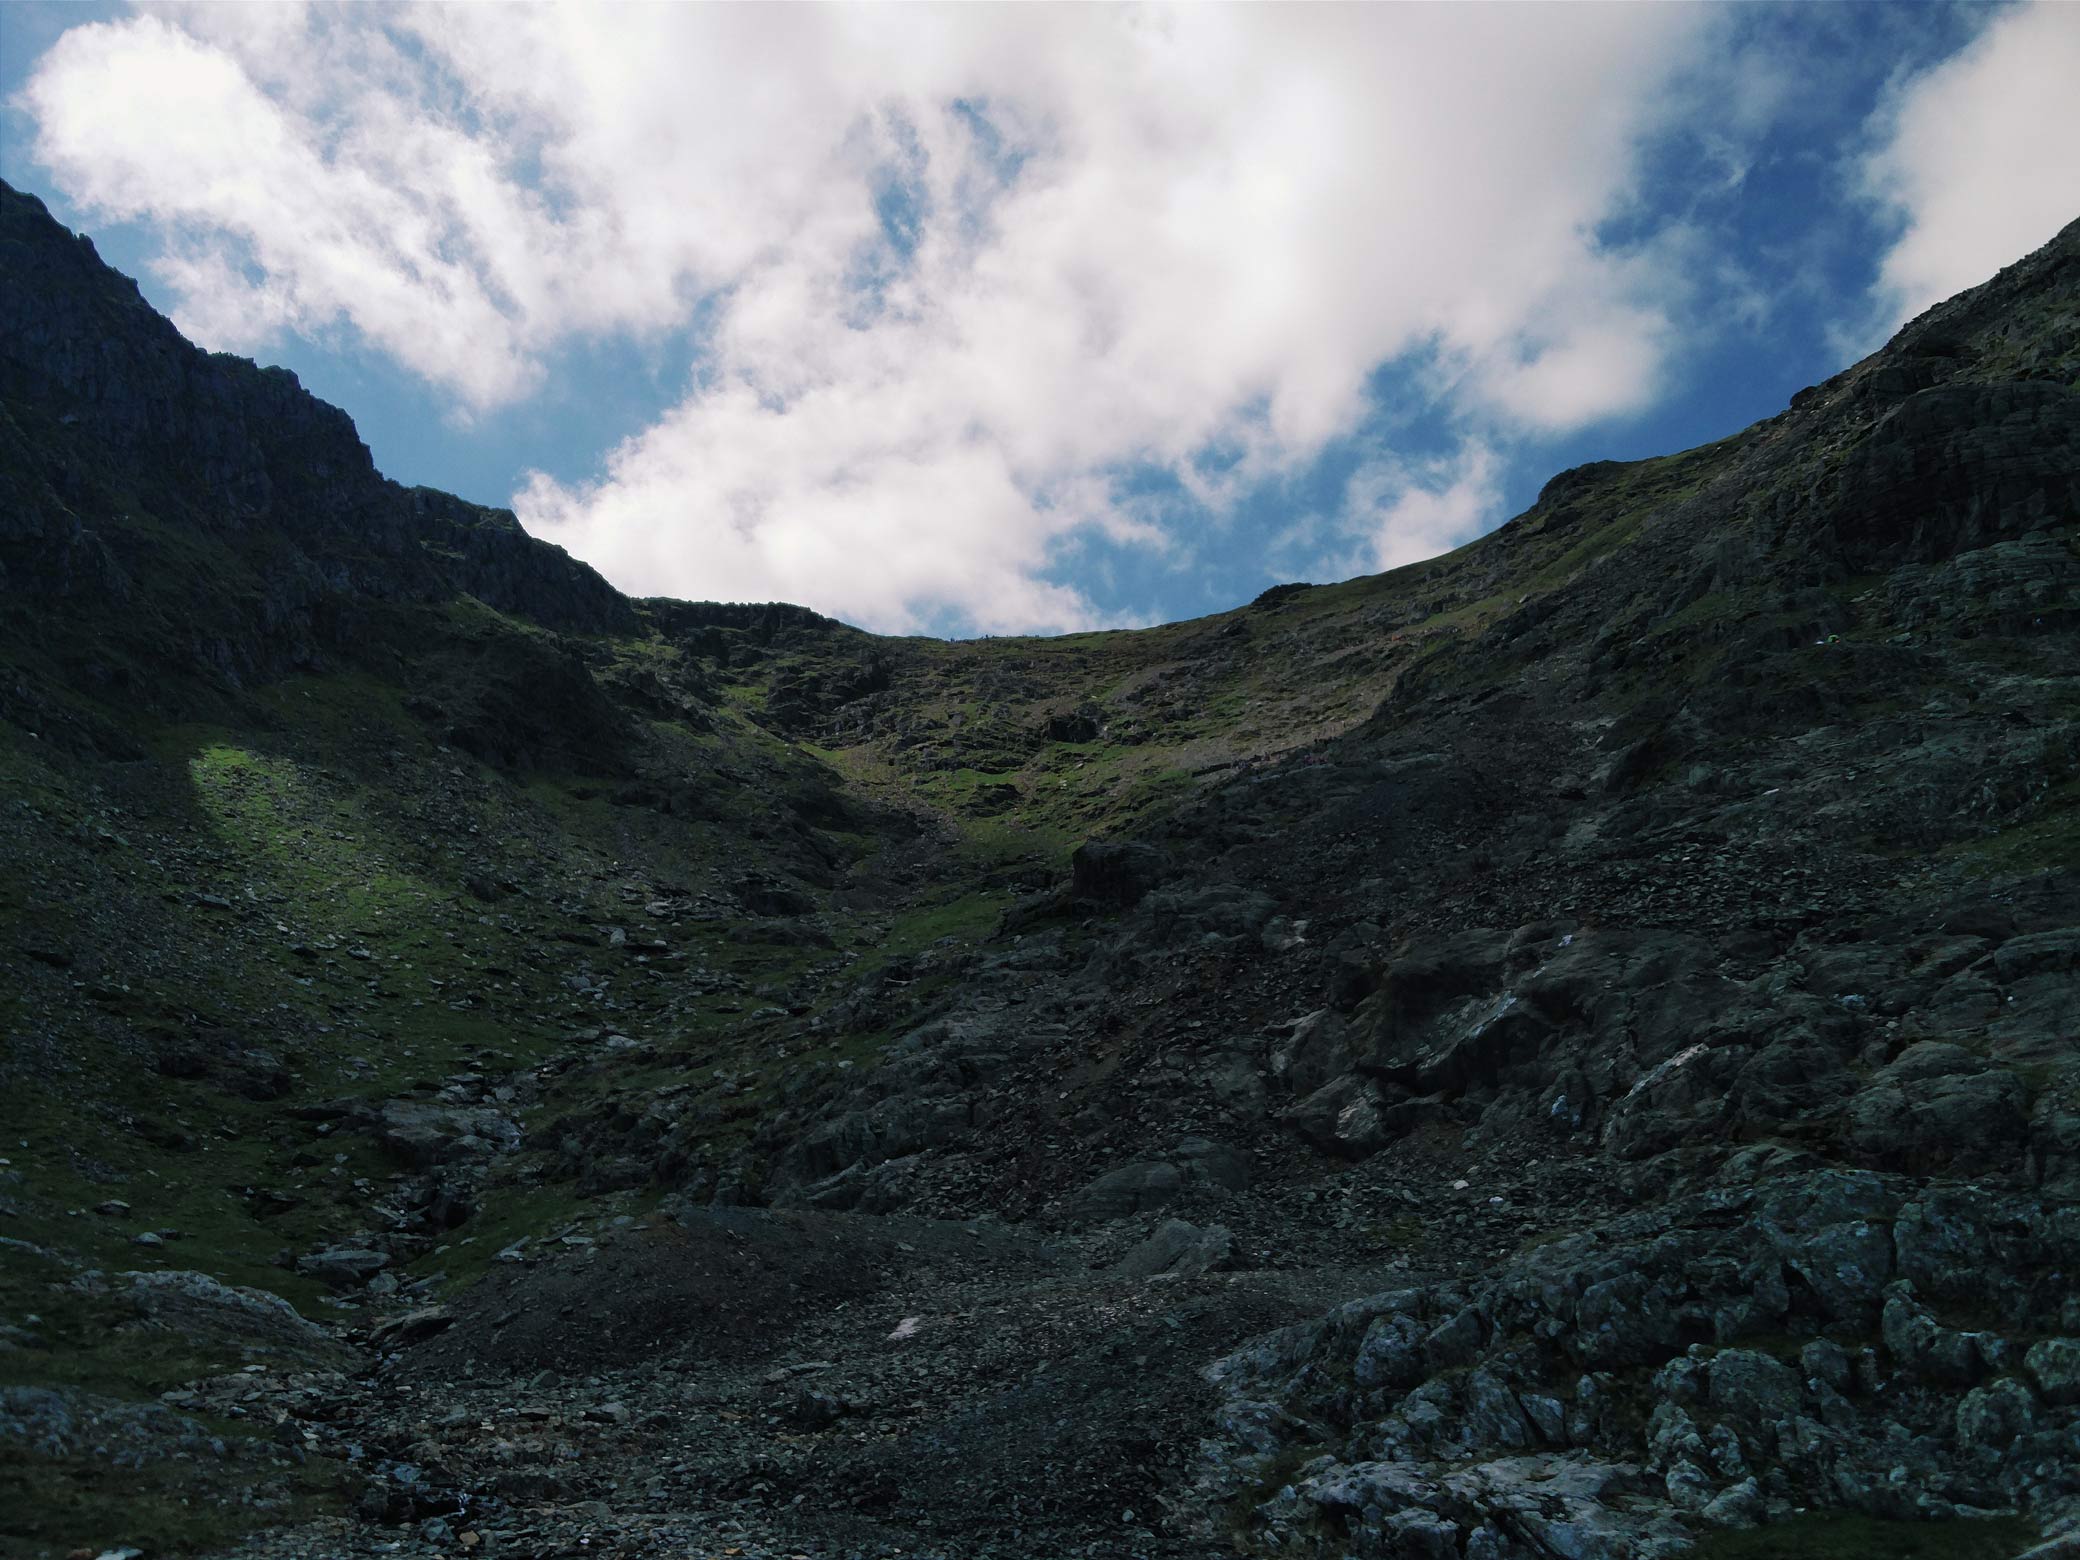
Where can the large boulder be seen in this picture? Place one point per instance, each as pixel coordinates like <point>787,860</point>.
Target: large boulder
<point>1939,1105</point>
<point>425,1133</point>
<point>1197,1165</point>
<point>1179,1250</point>
<point>2055,1365</point>
<point>203,1309</point>
<point>343,1267</point>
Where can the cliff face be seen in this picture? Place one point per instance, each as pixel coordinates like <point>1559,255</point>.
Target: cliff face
<point>1565,1049</point>
<point>119,427</point>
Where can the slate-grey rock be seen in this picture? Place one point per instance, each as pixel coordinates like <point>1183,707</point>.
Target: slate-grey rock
<point>1990,1418</point>
<point>202,1308</point>
<point>1739,1505</point>
<point>1343,1117</point>
<point>427,1133</point>
<point>1679,869</point>
<point>1752,1387</point>
<point>1179,1250</point>
<point>1197,1166</point>
<point>343,1267</point>
<point>1923,1347</point>
<point>2054,1365</point>
<point>1391,1353</point>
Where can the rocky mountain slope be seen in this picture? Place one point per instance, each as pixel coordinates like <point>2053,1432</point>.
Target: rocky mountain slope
<point>1568,1049</point>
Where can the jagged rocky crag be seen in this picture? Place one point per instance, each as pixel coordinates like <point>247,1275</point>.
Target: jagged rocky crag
<point>1566,1049</point>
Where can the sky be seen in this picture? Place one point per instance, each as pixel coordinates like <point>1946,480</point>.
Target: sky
<point>1040,318</point>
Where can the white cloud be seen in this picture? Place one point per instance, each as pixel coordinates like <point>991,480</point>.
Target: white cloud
<point>142,119</point>
<point>1601,361</point>
<point>1981,155</point>
<point>1407,511</point>
<point>1134,238</point>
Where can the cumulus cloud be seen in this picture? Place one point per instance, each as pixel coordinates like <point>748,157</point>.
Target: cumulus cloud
<point>275,219</point>
<point>1980,156</point>
<point>962,276</point>
<point>1407,511</point>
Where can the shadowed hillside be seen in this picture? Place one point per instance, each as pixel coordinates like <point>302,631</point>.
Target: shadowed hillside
<point>1563,1049</point>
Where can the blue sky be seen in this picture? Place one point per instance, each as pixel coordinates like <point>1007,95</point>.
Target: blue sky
<point>1039,319</point>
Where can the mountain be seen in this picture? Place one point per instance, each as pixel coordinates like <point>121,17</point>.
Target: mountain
<point>1567,1049</point>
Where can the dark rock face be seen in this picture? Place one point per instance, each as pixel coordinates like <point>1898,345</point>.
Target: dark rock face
<point>1081,725</point>
<point>1957,468</point>
<point>1115,874</point>
<point>245,457</point>
<point>1556,1339</point>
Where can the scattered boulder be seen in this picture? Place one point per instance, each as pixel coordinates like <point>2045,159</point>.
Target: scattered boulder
<point>412,1327</point>
<point>2054,1364</point>
<point>1434,1396</point>
<point>1345,1117</point>
<point>1083,724</point>
<point>426,1133</point>
<point>1199,1165</point>
<point>343,1267</point>
<point>1179,1250</point>
<point>200,1307</point>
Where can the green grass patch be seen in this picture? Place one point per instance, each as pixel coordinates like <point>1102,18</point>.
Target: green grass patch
<point>509,1214</point>
<point>968,918</point>
<point>54,1507</point>
<point>2050,840</point>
